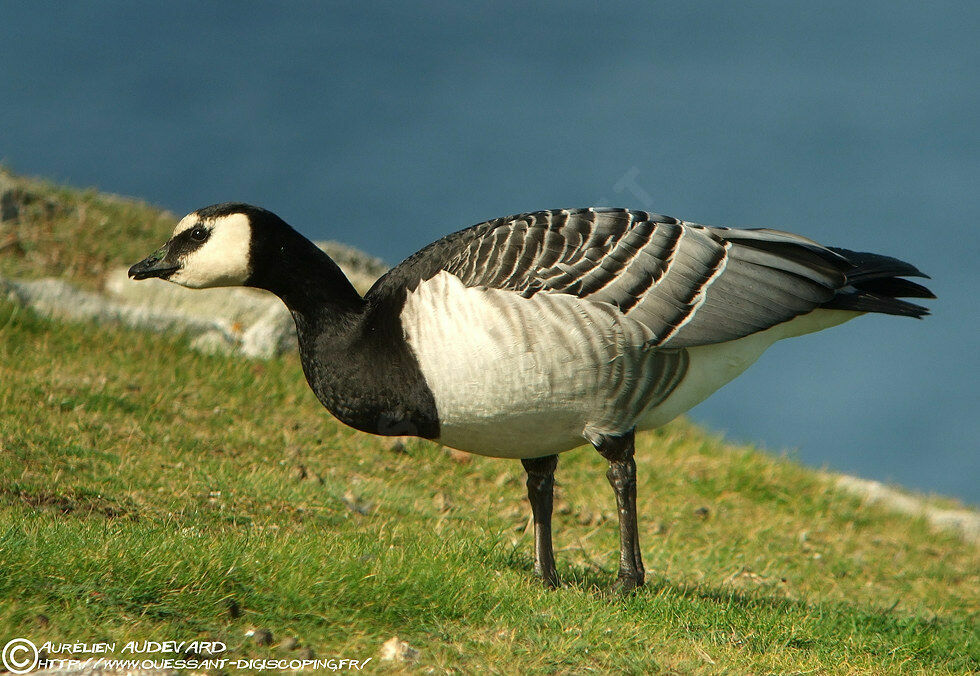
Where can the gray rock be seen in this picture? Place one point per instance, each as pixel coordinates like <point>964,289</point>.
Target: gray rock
<point>214,342</point>
<point>254,322</point>
<point>271,334</point>
<point>251,322</point>
<point>236,308</point>
<point>963,522</point>
<point>58,298</point>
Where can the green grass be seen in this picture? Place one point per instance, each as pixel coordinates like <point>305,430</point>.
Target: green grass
<point>151,492</point>
<point>76,234</point>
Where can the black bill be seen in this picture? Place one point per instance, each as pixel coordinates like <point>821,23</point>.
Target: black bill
<point>154,265</point>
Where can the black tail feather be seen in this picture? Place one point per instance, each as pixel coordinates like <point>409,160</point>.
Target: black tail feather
<point>875,284</point>
<point>870,302</point>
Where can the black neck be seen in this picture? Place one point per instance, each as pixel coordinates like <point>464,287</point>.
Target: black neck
<point>307,280</point>
<point>353,353</point>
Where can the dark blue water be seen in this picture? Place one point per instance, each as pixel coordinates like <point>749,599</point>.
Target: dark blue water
<point>853,123</point>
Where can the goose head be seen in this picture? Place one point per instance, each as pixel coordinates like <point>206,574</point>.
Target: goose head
<point>213,246</point>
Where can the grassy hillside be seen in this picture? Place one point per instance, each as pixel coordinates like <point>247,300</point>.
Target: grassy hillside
<point>53,231</point>
<point>148,492</point>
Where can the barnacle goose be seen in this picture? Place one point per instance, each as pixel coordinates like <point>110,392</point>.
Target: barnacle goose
<point>524,337</point>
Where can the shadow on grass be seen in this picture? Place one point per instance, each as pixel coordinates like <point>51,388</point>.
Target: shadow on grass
<point>762,621</point>
<point>78,501</point>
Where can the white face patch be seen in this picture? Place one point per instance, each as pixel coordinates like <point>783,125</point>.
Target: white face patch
<point>221,260</point>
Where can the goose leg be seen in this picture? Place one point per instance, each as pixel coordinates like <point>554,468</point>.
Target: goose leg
<point>540,491</point>
<point>622,476</point>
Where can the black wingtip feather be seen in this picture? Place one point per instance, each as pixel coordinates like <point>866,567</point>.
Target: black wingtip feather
<point>870,302</point>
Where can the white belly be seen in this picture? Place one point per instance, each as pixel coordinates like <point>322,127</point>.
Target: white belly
<point>524,377</point>
<point>713,366</point>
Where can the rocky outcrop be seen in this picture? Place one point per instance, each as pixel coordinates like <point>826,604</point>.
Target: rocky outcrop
<point>250,322</point>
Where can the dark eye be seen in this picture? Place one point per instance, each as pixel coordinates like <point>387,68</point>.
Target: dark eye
<point>199,234</point>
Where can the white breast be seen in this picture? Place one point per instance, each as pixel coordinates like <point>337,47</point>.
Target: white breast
<point>523,377</point>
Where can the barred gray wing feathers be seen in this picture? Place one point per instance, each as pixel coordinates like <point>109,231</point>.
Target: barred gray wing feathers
<point>689,284</point>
